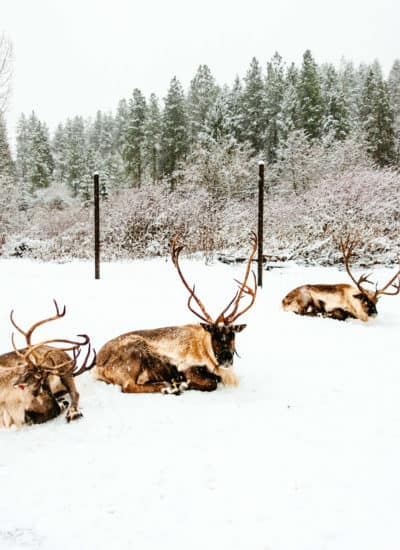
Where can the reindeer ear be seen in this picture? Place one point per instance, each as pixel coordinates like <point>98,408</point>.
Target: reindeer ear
<point>239,328</point>
<point>206,327</point>
<point>359,296</point>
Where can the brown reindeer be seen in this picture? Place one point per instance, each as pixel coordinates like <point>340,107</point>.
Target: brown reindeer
<point>340,301</point>
<point>33,380</point>
<point>172,359</point>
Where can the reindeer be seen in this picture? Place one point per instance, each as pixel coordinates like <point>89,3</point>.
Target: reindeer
<point>340,301</point>
<point>35,379</point>
<point>173,359</point>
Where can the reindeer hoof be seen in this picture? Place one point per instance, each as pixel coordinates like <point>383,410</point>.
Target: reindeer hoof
<point>73,414</point>
<point>172,389</point>
<point>63,404</point>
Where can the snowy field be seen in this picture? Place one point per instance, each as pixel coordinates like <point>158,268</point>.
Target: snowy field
<point>303,455</point>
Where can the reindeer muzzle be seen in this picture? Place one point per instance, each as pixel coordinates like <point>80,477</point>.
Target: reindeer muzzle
<point>225,359</point>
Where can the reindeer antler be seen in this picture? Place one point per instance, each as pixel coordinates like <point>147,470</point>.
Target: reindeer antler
<point>347,245</point>
<point>396,286</point>
<point>244,288</point>
<point>33,360</point>
<point>175,251</point>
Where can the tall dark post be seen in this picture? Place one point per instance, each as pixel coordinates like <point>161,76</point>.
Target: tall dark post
<point>260,235</point>
<point>96,227</point>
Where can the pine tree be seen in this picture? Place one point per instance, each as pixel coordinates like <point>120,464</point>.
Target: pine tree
<point>7,167</point>
<point>132,151</point>
<point>102,156</point>
<point>34,157</point>
<point>351,83</point>
<point>310,98</point>
<point>235,115</point>
<point>287,118</point>
<point>9,192</point>
<point>275,89</point>
<point>174,132</point>
<point>152,137</point>
<point>335,116</point>
<point>59,151</point>
<point>220,116</point>
<point>76,154</point>
<point>201,98</point>
<point>394,95</point>
<point>254,108</point>
<point>377,118</point>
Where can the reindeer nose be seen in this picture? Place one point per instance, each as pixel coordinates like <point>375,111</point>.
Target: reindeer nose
<point>225,358</point>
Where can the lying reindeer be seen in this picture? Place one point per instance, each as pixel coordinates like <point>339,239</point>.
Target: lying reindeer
<point>34,379</point>
<point>340,301</point>
<point>172,359</point>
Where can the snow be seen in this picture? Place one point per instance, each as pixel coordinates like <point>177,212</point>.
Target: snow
<point>303,455</point>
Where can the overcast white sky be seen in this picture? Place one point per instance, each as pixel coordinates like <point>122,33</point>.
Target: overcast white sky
<point>77,56</point>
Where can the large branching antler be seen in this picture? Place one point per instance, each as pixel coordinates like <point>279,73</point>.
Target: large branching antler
<point>175,251</point>
<point>244,289</point>
<point>48,361</point>
<point>391,283</point>
<point>347,246</point>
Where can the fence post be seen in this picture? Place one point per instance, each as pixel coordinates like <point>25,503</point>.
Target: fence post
<point>96,226</point>
<point>260,232</point>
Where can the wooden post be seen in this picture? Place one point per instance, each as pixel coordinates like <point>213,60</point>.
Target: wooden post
<point>260,235</point>
<point>96,226</point>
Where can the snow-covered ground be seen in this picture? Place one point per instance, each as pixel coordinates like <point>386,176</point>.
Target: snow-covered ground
<point>303,455</point>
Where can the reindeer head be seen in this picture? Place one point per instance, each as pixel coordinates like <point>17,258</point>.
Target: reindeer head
<point>367,297</point>
<point>42,360</point>
<point>222,330</point>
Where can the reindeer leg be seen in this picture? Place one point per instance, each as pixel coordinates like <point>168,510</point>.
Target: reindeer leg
<point>73,412</point>
<point>201,379</point>
<point>172,388</point>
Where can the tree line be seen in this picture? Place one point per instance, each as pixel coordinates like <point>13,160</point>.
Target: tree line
<point>273,113</point>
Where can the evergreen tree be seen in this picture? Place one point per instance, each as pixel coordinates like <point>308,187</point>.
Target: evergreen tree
<point>219,116</point>
<point>35,161</point>
<point>132,151</point>
<point>377,118</point>
<point>235,115</point>
<point>121,124</point>
<point>287,118</point>
<point>335,116</point>
<point>201,98</point>
<point>394,95</point>
<point>351,83</point>
<point>310,98</point>
<point>76,154</point>
<point>275,89</point>
<point>7,167</point>
<point>152,137</point>
<point>59,151</point>
<point>102,156</point>
<point>174,132</point>
<point>254,108</point>
<point>9,192</point>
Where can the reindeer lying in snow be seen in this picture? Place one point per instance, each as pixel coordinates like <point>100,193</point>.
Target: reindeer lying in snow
<point>172,359</point>
<point>340,301</point>
<point>33,380</point>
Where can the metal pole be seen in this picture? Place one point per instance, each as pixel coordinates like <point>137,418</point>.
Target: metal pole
<point>260,235</point>
<point>96,226</point>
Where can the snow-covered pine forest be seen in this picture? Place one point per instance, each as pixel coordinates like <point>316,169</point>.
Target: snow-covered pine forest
<point>329,135</point>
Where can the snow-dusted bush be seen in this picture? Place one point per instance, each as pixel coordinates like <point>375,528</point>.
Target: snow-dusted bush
<point>302,163</point>
<point>299,226</point>
<point>224,168</point>
<point>363,202</point>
